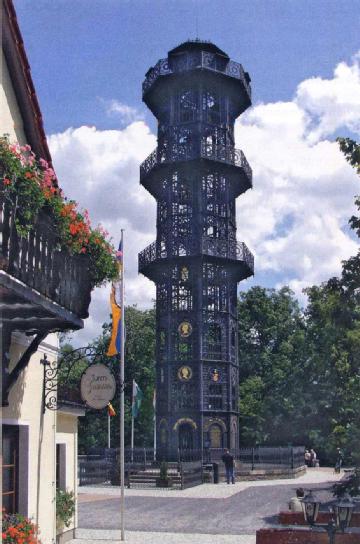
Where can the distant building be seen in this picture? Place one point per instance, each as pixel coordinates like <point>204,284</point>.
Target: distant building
<point>195,175</point>
<point>41,294</point>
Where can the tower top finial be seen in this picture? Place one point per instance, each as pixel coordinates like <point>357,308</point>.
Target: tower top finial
<point>192,44</point>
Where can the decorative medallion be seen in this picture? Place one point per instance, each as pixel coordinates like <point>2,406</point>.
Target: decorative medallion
<point>215,375</point>
<point>185,329</point>
<point>184,373</point>
<point>184,273</point>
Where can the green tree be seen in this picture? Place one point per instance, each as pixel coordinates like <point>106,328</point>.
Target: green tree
<point>139,365</point>
<point>271,357</point>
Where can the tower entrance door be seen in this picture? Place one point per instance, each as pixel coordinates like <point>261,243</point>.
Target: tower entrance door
<point>186,437</point>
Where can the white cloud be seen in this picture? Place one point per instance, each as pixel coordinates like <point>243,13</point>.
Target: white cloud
<point>295,218</point>
<point>100,169</point>
<point>127,114</point>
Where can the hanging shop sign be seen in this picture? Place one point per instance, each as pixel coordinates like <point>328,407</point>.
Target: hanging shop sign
<point>97,386</point>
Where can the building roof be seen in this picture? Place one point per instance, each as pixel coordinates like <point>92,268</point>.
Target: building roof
<point>202,45</point>
<point>20,73</point>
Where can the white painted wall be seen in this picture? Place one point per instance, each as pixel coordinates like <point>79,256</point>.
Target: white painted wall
<point>10,118</point>
<point>37,442</point>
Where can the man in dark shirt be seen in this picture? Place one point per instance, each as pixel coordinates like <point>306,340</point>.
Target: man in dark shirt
<point>228,461</point>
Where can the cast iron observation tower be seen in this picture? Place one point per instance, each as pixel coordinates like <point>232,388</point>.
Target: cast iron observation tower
<point>195,174</point>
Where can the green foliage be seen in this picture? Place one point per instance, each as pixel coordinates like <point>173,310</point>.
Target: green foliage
<point>139,365</point>
<point>351,150</point>
<point>65,506</point>
<point>271,352</point>
<point>350,485</point>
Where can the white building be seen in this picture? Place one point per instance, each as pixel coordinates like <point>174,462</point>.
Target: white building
<point>37,287</point>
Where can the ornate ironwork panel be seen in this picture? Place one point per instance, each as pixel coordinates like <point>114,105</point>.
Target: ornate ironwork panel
<point>196,260</point>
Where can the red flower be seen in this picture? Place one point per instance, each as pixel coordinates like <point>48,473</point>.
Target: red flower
<point>7,181</point>
<point>29,175</point>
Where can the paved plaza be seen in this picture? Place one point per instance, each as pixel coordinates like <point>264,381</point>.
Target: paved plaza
<point>204,514</point>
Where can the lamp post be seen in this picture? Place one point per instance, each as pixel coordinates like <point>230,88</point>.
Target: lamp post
<point>342,510</point>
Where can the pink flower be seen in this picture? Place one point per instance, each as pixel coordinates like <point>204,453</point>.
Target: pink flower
<point>44,163</point>
<point>7,181</point>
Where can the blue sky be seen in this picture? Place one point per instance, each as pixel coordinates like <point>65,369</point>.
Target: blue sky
<point>88,60</point>
<point>80,50</point>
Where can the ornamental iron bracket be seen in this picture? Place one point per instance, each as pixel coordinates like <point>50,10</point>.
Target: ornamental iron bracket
<point>52,380</point>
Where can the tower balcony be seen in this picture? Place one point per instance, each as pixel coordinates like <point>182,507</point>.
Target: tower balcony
<point>223,154</point>
<point>197,60</point>
<point>43,288</point>
<point>236,253</point>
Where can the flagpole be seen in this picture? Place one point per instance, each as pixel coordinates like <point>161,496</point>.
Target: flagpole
<point>154,424</point>
<point>132,422</point>
<point>122,403</point>
<point>109,441</point>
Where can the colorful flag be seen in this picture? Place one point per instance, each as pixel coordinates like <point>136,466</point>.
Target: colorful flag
<point>111,410</point>
<point>115,303</point>
<point>137,397</point>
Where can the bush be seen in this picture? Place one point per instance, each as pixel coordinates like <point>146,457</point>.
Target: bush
<point>16,529</point>
<point>350,485</point>
<point>65,507</point>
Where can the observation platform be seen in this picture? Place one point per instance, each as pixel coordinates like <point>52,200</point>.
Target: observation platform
<point>236,253</point>
<point>230,159</point>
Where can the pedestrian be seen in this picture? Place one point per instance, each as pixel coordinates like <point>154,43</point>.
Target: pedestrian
<point>339,460</point>
<point>295,503</point>
<point>229,463</point>
<point>312,458</point>
<point>307,458</point>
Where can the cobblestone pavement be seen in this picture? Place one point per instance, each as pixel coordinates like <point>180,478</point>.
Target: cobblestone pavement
<point>205,514</point>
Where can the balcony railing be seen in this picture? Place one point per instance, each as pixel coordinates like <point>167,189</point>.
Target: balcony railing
<point>189,151</point>
<point>193,60</point>
<point>38,262</point>
<point>208,246</point>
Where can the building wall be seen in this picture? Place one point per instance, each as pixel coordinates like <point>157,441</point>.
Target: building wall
<point>37,437</point>
<point>66,438</point>
<point>11,120</point>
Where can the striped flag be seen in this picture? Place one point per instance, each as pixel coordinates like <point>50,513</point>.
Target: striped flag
<point>116,310</point>
<point>137,397</point>
<point>111,410</point>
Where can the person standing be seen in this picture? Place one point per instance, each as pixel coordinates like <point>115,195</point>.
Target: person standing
<point>229,463</point>
<point>307,458</point>
<point>313,457</point>
<point>339,460</point>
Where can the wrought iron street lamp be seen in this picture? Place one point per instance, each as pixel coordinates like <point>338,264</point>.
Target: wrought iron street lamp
<point>342,510</point>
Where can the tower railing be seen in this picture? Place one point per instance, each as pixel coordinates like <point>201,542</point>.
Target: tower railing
<point>214,247</point>
<point>193,60</point>
<point>192,150</point>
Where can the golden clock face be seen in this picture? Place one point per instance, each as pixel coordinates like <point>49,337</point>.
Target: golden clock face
<point>184,373</point>
<point>184,273</point>
<point>185,329</point>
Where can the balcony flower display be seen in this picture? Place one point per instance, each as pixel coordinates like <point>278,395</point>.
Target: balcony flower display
<point>31,186</point>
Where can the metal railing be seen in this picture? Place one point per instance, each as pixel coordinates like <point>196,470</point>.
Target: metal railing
<point>37,261</point>
<point>193,60</point>
<point>207,246</point>
<point>189,151</point>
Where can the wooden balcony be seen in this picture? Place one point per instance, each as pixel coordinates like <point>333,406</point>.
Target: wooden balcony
<point>43,288</point>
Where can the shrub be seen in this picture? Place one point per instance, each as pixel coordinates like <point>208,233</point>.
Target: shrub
<point>65,506</point>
